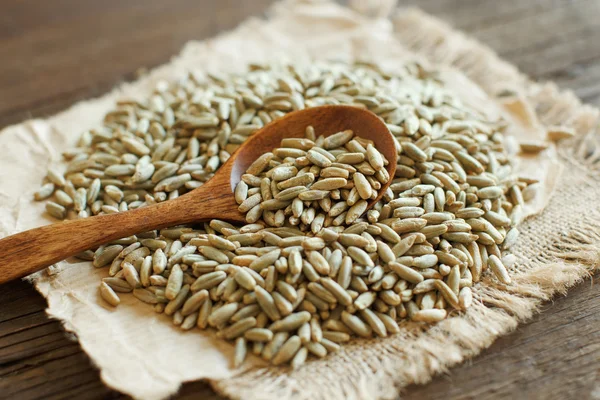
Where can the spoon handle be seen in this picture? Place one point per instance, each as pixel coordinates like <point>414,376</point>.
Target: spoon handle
<point>32,250</point>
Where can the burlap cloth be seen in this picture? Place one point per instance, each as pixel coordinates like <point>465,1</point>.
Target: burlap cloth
<point>142,354</point>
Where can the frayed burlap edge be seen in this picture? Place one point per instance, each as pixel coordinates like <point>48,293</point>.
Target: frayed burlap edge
<point>558,249</point>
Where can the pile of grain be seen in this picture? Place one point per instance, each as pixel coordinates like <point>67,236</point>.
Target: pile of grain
<point>309,270</point>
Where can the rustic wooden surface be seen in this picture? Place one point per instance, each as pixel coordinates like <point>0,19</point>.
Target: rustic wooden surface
<point>55,53</point>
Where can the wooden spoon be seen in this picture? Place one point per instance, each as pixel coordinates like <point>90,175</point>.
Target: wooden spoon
<point>30,251</point>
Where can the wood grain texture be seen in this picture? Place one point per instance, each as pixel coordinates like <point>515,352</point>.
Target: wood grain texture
<point>56,53</point>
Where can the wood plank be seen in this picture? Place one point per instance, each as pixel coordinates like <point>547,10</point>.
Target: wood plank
<point>25,321</point>
<point>471,15</point>
<point>20,307</point>
<point>561,55</point>
<point>43,378</point>
<point>584,80</point>
<point>67,348</point>
<point>31,342</point>
<point>94,389</point>
<point>17,301</point>
<point>44,50</point>
<point>15,291</point>
<point>549,36</point>
<point>539,29</point>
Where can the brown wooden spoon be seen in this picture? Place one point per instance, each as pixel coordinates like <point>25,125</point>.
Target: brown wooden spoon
<point>31,251</point>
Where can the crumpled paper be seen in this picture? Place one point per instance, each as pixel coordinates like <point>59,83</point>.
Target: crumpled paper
<point>137,351</point>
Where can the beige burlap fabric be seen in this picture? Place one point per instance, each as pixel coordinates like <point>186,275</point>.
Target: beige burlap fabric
<point>142,354</point>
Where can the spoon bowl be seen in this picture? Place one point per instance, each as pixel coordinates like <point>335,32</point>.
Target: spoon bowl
<point>30,251</point>
<point>326,120</point>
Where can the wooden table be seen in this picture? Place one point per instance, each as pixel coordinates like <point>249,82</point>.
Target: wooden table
<point>55,53</point>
